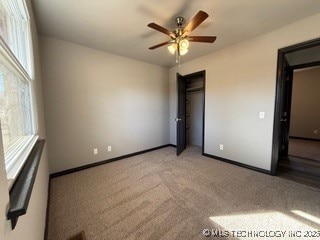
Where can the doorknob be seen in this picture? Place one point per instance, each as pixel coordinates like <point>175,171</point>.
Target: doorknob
<point>178,119</point>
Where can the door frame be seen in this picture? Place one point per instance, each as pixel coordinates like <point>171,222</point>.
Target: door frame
<point>279,90</point>
<point>198,74</point>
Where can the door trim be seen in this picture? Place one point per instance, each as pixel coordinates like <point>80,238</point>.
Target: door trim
<point>277,113</point>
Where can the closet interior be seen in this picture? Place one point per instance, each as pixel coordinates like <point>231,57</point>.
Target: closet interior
<point>194,111</point>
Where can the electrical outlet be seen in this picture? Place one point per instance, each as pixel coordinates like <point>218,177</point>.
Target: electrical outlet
<point>221,147</point>
<point>109,149</point>
<point>315,131</point>
<point>95,151</point>
<point>261,115</point>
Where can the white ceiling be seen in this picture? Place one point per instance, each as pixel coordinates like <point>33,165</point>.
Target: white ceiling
<point>120,26</point>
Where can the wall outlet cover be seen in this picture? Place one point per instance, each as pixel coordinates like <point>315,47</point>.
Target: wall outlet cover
<point>221,146</point>
<point>261,115</point>
<point>95,151</point>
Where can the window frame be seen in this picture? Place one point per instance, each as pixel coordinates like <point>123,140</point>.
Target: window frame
<point>17,154</point>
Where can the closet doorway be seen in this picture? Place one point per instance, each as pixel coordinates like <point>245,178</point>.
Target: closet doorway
<point>191,112</point>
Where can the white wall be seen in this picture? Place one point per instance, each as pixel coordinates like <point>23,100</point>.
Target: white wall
<point>240,83</point>
<point>94,99</point>
<point>305,104</point>
<point>31,225</point>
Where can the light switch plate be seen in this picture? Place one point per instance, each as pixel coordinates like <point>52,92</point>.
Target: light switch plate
<point>261,114</point>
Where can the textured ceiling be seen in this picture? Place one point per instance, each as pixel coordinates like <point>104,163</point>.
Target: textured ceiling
<point>120,26</point>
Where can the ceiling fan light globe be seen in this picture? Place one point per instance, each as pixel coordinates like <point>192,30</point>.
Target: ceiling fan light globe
<point>172,48</point>
<point>183,51</point>
<point>184,44</point>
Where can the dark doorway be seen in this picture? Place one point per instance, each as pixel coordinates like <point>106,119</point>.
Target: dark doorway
<point>190,111</point>
<point>299,56</point>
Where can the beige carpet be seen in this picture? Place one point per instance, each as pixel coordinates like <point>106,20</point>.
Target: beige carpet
<point>304,148</point>
<point>160,196</point>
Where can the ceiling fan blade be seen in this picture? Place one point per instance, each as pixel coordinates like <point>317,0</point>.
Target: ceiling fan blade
<point>205,39</point>
<point>159,45</point>
<point>161,29</point>
<point>195,22</point>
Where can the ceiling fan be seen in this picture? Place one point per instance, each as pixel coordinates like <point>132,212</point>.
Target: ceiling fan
<point>180,38</point>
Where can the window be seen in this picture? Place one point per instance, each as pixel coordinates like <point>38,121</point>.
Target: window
<point>15,31</point>
<point>16,63</point>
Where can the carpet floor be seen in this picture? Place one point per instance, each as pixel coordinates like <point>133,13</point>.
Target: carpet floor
<point>158,195</point>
